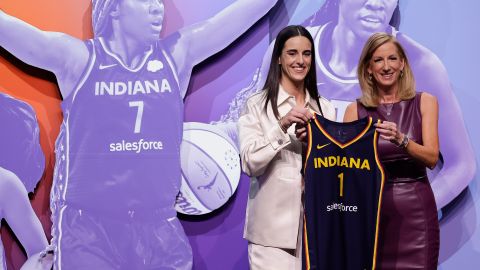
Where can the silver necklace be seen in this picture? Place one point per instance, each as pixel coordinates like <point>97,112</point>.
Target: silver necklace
<point>388,107</point>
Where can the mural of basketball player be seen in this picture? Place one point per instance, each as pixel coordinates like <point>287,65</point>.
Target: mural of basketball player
<point>21,167</point>
<point>340,28</point>
<point>123,114</point>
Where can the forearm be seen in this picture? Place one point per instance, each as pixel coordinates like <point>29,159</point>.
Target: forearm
<point>221,29</point>
<point>13,34</point>
<point>258,151</point>
<point>245,12</point>
<point>38,262</point>
<point>20,216</point>
<point>29,231</point>
<point>426,155</point>
<point>46,50</point>
<point>35,240</point>
<point>428,151</point>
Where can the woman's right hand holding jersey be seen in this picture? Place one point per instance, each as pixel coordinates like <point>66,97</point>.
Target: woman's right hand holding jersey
<point>297,115</point>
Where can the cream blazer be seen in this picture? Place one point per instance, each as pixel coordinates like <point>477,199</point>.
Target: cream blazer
<point>273,160</point>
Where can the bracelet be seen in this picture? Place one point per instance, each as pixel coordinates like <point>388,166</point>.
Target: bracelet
<point>281,126</point>
<point>404,142</point>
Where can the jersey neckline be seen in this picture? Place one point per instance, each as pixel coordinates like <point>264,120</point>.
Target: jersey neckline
<point>368,122</point>
<point>119,60</point>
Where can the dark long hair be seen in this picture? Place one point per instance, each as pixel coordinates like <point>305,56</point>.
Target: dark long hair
<point>275,72</point>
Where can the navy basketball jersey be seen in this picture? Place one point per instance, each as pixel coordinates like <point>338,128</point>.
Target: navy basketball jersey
<point>119,144</point>
<point>343,185</point>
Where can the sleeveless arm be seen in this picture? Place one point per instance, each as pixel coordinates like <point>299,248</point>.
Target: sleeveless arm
<point>59,53</point>
<point>197,42</point>
<point>19,213</point>
<point>428,152</point>
<point>351,113</point>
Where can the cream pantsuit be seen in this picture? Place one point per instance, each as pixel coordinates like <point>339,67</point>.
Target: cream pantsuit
<point>273,160</point>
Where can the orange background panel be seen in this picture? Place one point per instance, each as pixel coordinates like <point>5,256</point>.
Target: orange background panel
<point>39,89</point>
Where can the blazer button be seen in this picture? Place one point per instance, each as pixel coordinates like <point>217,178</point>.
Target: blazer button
<point>280,141</point>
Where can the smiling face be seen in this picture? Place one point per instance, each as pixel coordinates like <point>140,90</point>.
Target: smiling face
<point>386,65</point>
<point>295,60</point>
<point>365,17</point>
<point>141,19</point>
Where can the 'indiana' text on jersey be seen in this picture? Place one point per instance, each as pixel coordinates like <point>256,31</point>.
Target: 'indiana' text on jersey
<point>132,87</point>
<point>119,145</point>
<point>343,184</point>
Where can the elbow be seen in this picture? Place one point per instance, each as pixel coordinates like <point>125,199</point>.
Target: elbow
<point>246,169</point>
<point>469,162</point>
<point>431,165</point>
<point>471,171</point>
<point>249,160</point>
<point>244,164</point>
<point>250,169</point>
<point>462,165</point>
<point>433,160</point>
<point>250,166</point>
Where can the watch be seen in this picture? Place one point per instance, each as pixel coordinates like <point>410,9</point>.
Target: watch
<point>404,142</point>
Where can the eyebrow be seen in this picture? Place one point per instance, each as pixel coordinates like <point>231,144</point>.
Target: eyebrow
<point>295,50</point>
<point>388,56</point>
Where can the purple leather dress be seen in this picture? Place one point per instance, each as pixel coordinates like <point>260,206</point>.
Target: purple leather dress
<point>409,230</point>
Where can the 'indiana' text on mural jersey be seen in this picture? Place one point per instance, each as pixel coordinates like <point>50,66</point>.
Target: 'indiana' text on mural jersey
<point>132,87</point>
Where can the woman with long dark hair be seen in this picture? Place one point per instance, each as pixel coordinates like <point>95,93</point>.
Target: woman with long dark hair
<point>271,131</point>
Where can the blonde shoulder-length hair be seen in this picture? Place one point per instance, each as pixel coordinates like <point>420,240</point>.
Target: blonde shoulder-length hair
<point>406,81</point>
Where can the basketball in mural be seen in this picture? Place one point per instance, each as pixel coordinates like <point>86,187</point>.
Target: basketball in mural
<point>210,169</point>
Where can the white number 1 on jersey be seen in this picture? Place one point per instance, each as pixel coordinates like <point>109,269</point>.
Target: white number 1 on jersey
<point>138,120</point>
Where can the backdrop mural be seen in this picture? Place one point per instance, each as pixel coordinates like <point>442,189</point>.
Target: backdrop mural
<point>440,38</point>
